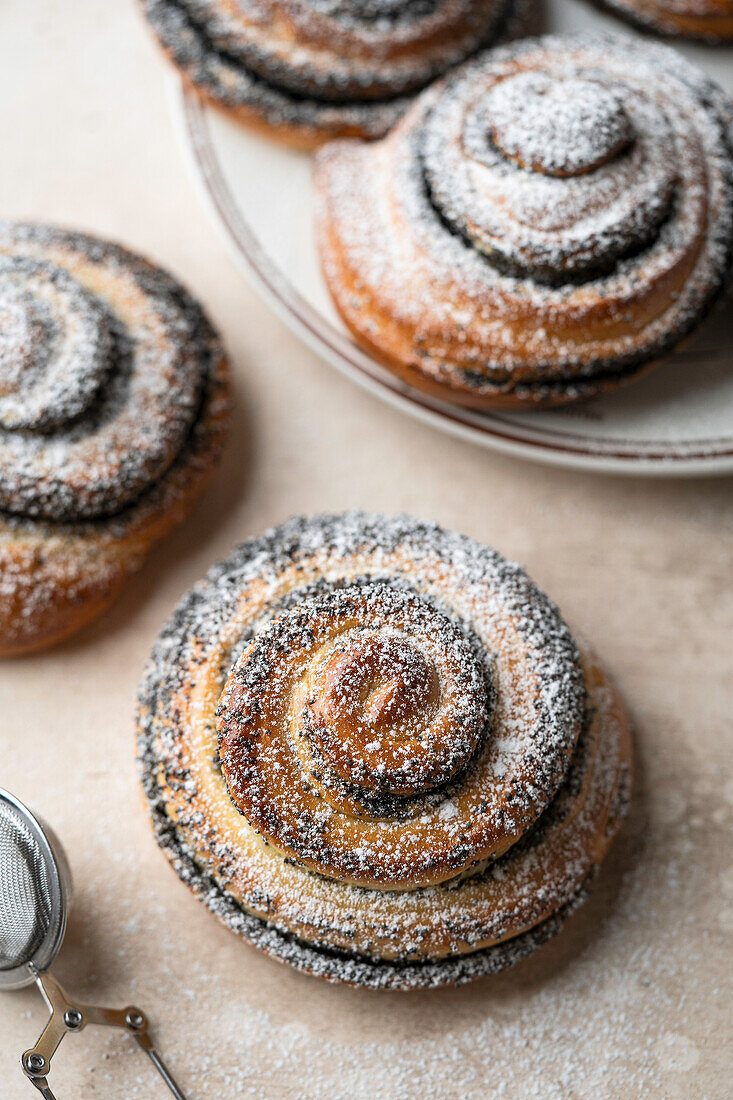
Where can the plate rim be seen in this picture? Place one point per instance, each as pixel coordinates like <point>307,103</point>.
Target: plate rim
<point>496,432</point>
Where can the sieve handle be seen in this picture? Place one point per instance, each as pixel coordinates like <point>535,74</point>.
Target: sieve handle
<point>66,1016</point>
<point>42,1086</point>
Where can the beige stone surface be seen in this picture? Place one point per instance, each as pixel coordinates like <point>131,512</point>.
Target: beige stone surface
<point>634,998</point>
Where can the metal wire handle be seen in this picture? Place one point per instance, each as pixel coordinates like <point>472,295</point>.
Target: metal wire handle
<point>66,1016</point>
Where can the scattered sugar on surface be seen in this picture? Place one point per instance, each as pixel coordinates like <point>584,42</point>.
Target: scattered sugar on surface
<point>626,1008</point>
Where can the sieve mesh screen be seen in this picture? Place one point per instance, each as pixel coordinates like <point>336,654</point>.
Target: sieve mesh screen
<point>25,897</point>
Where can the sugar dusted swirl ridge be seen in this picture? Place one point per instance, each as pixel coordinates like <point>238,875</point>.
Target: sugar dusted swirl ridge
<point>551,176</point>
<point>309,69</point>
<point>114,406</point>
<point>367,744</point>
<point>101,375</point>
<point>543,224</point>
<point>706,20</point>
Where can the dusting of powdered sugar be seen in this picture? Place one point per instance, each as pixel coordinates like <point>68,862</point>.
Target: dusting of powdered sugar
<point>335,769</point>
<point>438,208</point>
<point>51,568</point>
<point>631,1001</point>
<point>357,77</point>
<point>554,224</point>
<point>55,346</point>
<point>702,20</point>
<point>561,126</point>
<point>115,378</point>
<point>550,650</point>
<point>201,618</point>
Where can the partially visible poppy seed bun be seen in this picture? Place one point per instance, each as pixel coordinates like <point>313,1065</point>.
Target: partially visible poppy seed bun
<point>308,70</point>
<point>704,20</point>
<point>544,225</point>
<point>114,401</point>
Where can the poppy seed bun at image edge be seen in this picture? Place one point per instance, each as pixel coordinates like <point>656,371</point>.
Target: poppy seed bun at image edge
<point>114,409</point>
<point>544,225</point>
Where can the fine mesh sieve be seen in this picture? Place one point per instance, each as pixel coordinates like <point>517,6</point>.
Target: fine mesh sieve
<point>35,889</point>
<point>25,901</point>
<point>35,893</point>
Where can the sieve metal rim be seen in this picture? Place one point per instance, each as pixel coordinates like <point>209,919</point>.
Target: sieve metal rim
<point>60,889</point>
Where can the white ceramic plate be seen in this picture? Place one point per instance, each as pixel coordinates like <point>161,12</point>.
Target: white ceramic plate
<point>676,421</point>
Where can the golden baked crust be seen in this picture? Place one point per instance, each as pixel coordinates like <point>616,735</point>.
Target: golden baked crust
<point>374,750</point>
<point>541,227</point>
<point>114,405</point>
<point>707,20</point>
<point>304,71</point>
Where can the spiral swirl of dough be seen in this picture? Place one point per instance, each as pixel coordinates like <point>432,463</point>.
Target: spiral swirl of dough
<point>114,406</point>
<point>542,226</point>
<point>551,176</point>
<point>373,748</point>
<point>100,376</point>
<point>706,20</point>
<point>311,69</point>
